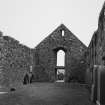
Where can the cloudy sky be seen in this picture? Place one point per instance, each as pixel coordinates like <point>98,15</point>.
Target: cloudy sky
<point>30,21</point>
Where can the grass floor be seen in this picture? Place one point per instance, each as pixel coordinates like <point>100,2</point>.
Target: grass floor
<point>47,94</point>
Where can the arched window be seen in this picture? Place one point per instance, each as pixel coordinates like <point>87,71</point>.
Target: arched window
<point>60,58</point>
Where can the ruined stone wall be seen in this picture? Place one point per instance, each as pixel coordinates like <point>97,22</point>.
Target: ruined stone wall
<point>96,49</point>
<point>45,56</point>
<point>15,61</point>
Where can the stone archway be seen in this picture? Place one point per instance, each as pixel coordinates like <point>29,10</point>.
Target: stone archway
<point>60,71</point>
<point>60,58</point>
<point>60,65</point>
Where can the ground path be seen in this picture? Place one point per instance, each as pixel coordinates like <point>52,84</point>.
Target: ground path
<point>47,94</point>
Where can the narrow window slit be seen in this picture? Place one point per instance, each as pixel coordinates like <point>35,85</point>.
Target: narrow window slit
<point>63,32</point>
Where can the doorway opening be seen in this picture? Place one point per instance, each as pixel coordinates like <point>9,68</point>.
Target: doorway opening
<point>60,77</point>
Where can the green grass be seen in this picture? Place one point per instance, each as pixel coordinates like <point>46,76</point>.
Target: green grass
<point>47,94</point>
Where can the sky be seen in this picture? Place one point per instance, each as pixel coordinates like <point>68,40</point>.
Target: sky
<point>30,21</point>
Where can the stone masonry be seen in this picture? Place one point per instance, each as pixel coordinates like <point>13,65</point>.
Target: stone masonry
<point>15,61</point>
<point>95,54</point>
<point>45,56</point>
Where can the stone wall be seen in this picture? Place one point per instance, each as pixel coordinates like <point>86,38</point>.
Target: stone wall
<point>45,56</point>
<point>15,61</point>
<point>95,54</point>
